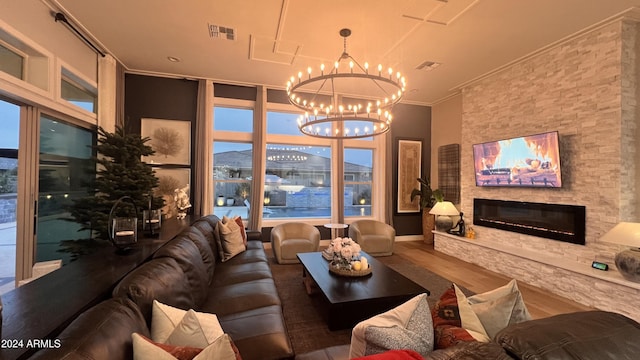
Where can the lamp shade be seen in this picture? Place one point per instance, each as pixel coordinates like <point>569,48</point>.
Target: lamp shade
<point>625,233</point>
<point>444,208</point>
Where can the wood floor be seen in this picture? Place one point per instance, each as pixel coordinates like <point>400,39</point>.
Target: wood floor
<point>540,302</point>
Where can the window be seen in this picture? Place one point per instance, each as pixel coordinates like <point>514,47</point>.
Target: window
<point>298,170</point>
<point>297,181</point>
<point>78,96</point>
<point>232,160</point>
<point>11,62</point>
<point>283,124</point>
<point>232,119</point>
<point>358,171</point>
<point>232,174</point>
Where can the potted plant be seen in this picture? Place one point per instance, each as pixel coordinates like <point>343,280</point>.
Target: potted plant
<point>428,197</point>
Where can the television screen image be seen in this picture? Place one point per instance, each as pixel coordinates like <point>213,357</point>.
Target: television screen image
<point>527,161</point>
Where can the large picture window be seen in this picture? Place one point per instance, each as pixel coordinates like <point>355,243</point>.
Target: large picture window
<point>294,174</point>
<point>297,181</point>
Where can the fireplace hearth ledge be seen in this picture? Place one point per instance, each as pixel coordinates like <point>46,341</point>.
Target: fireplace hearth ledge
<point>611,276</point>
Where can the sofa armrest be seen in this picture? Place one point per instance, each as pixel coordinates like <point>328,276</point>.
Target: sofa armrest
<point>254,235</point>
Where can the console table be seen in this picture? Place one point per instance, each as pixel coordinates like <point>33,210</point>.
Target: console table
<point>40,309</point>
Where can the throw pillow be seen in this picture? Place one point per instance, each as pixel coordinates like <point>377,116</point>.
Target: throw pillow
<point>221,349</point>
<point>231,239</point>
<point>407,326</point>
<point>238,221</point>
<point>166,319</point>
<point>447,325</point>
<point>492,311</point>
<point>145,348</point>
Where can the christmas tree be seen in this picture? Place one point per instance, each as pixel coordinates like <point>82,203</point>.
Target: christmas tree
<point>121,172</point>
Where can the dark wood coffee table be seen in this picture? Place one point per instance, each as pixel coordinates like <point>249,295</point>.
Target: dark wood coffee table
<point>353,299</point>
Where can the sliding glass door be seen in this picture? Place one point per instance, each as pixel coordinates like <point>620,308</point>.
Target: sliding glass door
<point>9,141</point>
<point>65,173</point>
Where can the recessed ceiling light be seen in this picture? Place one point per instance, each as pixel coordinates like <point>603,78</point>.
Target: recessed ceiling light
<point>173,59</point>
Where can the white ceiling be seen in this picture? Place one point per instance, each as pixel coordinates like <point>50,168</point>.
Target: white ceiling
<point>274,39</point>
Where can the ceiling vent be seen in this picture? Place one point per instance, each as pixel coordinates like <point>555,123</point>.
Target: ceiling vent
<point>428,65</point>
<point>221,32</point>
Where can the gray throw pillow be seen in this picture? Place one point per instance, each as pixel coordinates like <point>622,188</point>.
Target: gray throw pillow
<point>417,335</point>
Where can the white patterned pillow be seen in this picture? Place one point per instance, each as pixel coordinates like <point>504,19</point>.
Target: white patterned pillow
<point>492,311</point>
<point>165,320</point>
<point>407,326</point>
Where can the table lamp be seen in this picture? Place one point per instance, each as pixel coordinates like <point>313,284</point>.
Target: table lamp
<point>443,210</point>
<point>627,261</point>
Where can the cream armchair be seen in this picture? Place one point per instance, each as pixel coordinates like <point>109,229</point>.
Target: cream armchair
<point>291,238</point>
<point>375,238</point>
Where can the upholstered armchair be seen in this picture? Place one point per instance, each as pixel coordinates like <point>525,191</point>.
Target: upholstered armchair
<point>375,237</point>
<point>291,238</point>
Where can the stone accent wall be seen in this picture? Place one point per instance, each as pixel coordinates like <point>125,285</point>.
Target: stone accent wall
<point>585,88</point>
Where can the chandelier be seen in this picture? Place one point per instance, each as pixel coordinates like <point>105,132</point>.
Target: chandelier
<point>331,117</point>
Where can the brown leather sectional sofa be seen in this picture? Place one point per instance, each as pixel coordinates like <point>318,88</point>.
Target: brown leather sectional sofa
<point>187,273</point>
<point>593,335</point>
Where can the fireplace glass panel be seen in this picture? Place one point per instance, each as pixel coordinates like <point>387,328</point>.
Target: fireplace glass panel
<point>552,221</point>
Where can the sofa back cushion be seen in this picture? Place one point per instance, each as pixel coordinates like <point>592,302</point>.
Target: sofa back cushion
<point>159,279</point>
<point>102,332</point>
<point>208,230</point>
<point>200,241</point>
<point>186,253</point>
<point>578,335</point>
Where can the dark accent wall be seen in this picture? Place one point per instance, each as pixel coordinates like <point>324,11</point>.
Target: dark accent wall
<point>409,122</point>
<point>158,98</point>
<point>235,92</point>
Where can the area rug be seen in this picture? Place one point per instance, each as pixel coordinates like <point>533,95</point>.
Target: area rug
<point>304,314</point>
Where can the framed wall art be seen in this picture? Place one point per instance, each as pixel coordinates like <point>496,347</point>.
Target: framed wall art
<point>409,170</point>
<point>171,140</point>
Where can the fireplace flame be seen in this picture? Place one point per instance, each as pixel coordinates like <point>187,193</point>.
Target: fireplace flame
<point>521,153</point>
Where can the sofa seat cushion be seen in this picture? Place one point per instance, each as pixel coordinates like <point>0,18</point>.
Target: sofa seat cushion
<point>234,298</point>
<point>259,334</point>
<point>228,274</point>
<point>102,332</point>
<point>579,335</point>
<point>186,253</point>
<point>159,279</point>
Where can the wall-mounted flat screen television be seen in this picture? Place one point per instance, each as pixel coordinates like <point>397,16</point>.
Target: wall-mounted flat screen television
<point>526,161</point>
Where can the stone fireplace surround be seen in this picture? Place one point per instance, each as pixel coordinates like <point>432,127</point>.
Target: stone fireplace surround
<point>585,87</point>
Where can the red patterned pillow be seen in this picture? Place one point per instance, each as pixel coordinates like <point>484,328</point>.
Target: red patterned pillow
<point>179,352</point>
<point>238,221</point>
<point>447,325</point>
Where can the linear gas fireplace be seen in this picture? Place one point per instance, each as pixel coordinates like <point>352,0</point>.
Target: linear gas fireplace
<point>551,221</point>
